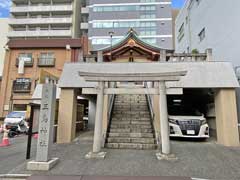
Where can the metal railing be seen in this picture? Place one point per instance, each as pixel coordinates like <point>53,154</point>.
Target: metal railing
<point>24,87</point>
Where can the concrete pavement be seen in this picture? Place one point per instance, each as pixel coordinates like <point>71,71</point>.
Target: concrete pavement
<point>205,160</point>
<point>15,154</point>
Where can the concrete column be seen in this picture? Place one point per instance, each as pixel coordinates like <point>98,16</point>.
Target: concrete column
<point>99,56</point>
<point>226,117</point>
<point>80,57</point>
<point>91,112</point>
<point>164,119</point>
<point>163,55</point>
<point>67,116</point>
<point>97,142</point>
<point>209,54</point>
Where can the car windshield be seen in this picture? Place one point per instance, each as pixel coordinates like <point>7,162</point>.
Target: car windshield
<point>183,111</point>
<point>16,115</point>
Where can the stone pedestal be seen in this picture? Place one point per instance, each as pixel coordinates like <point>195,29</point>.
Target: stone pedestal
<point>42,166</point>
<point>167,157</point>
<point>92,155</point>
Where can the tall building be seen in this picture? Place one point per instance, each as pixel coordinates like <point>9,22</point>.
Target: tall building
<point>3,41</point>
<point>210,24</point>
<point>110,20</point>
<point>45,19</point>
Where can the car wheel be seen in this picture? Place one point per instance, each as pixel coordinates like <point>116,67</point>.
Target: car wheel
<point>11,134</point>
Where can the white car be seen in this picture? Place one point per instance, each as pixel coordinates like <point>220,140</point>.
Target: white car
<point>189,123</point>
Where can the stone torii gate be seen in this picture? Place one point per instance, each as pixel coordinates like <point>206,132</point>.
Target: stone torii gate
<point>103,89</point>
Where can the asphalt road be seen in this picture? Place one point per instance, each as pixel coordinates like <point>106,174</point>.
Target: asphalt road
<point>15,154</point>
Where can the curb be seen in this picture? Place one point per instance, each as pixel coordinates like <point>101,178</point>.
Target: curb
<point>14,176</point>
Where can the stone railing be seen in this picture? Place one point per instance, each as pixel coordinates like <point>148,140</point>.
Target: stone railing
<point>187,57</point>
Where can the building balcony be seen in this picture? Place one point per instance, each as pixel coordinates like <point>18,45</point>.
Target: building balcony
<point>40,33</point>
<point>46,62</point>
<point>48,8</point>
<point>26,63</point>
<point>84,25</point>
<point>24,87</point>
<point>85,10</point>
<point>63,20</point>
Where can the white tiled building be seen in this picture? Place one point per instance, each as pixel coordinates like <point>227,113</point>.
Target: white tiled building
<point>3,41</point>
<point>203,24</point>
<point>45,18</point>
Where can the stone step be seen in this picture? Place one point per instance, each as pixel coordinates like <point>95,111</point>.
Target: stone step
<point>117,101</point>
<point>132,135</point>
<point>131,130</point>
<point>131,140</point>
<point>132,122</point>
<point>132,126</point>
<point>131,146</point>
<point>130,112</point>
<point>130,118</point>
<point>137,109</point>
<point>131,115</point>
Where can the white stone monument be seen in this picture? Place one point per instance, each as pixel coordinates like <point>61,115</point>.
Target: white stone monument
<point>46,121</point>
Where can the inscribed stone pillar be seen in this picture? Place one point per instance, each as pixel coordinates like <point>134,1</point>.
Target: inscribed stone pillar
<point>46,122</point>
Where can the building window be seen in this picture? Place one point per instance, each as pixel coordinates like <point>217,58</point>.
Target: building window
<point>46,59</point>
<point>148,16</point>
<point>147,1</point>
<point>124,8</point>
<point>127,24</point>
<point>148,32</point>
<point>22,85</point>
<point>27,58</point>
<point>104,41</point>
<point>202,34</point>
<point>181,33</point>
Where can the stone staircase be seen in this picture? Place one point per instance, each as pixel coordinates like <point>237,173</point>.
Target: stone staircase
<point>130,126</point>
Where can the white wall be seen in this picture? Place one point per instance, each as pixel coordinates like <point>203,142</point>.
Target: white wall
<point>220,19</point>
<point>3,40</point>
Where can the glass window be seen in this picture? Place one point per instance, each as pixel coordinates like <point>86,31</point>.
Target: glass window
<point>27,58</point>
<point>104,41</point>
<point>27,55</point>
<point>124,8</point>
<point>22,85</point>
<point>124,24</point>
<point>47,55</point>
